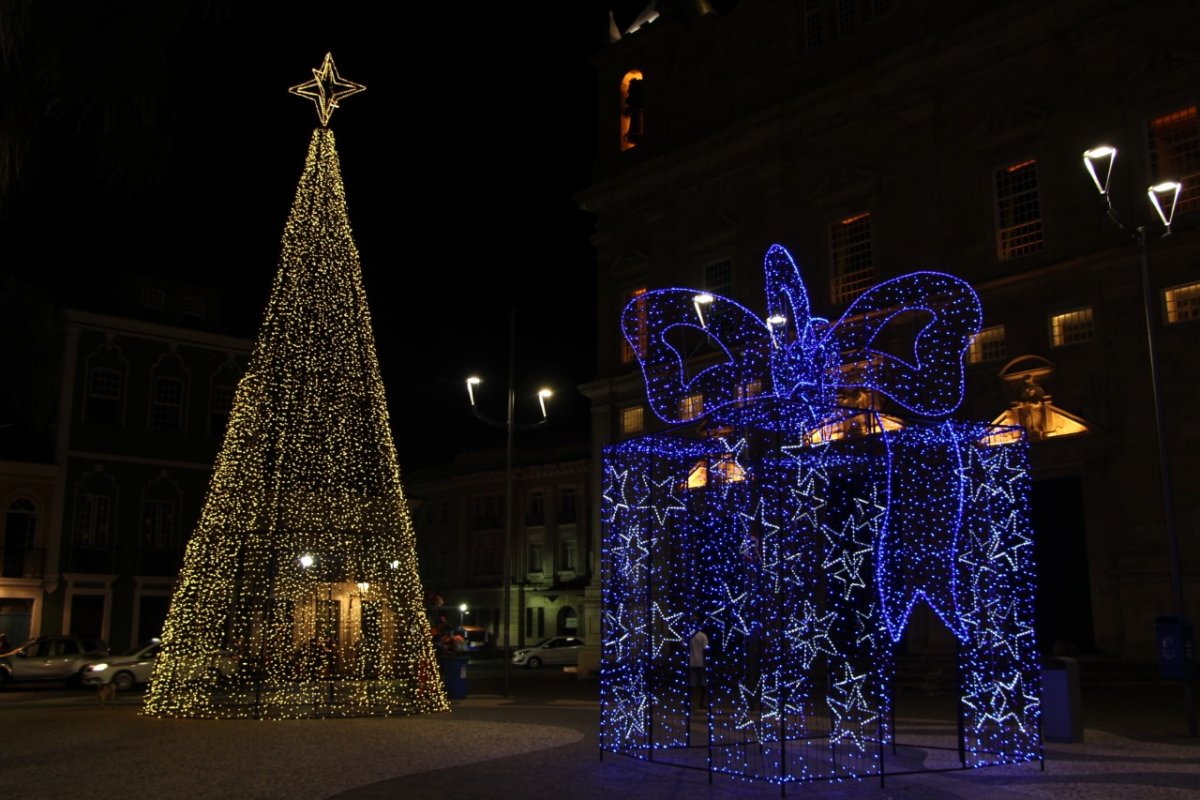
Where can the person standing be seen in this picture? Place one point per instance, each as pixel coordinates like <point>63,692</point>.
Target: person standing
<point>697,676</point>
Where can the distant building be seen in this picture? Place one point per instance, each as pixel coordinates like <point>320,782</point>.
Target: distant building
<point>27,499</point>
<point>458,513</point>
<point>878,138</point>
<point>93,539</point>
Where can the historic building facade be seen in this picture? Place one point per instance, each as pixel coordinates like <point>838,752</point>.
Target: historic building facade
<point>458,513</point>
<point>877,138</point>
<point>93,539</point>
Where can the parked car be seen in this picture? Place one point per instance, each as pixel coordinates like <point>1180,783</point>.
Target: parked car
<point>51,658</point>
<point>124,671</point>
<point>555,650</point>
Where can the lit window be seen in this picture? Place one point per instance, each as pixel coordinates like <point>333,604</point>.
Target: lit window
<point>745,391</point>
<point>988,345</point>
<point>166,408</point>
<point>728,470</point>
<point>698,475</point>
<point>632,107</point>
<point>853,266</point>
<point>1018,212</point>
<point>718,278</point>
<point>691,406</point>
<point>628,356</point>
<point>1175,153</point>
<point>1182,303</point>
<point>1072,327</point>
<point>632,419</point>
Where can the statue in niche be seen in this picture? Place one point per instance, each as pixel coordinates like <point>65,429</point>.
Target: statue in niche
<point>1032,407</point>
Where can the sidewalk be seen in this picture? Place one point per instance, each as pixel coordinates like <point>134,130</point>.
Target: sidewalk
<point>539,742</point>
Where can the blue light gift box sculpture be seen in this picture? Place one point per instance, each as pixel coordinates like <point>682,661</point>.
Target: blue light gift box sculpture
<point>799,526</point>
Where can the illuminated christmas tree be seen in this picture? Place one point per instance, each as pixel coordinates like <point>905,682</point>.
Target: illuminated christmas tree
<point>299,594</point>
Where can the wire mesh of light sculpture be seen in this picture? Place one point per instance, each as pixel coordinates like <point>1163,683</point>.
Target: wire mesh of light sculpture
<point>299,595</point>
<point>802,531</point>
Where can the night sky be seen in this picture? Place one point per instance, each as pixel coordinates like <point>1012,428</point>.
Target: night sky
<point>159,138</point>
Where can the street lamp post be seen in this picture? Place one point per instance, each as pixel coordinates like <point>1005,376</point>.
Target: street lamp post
<point>1163,197</point>
<point>510,425</point>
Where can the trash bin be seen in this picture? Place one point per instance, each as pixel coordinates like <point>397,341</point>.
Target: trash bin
<point>1061,720</point>
<point>454,675</point>
<point>1176,648</point>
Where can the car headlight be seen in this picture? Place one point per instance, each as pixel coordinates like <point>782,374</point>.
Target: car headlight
<point>98,667</point>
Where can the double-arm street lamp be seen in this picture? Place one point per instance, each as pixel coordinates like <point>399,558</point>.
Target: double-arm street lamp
<point>1163,197</point>
<point>510,425</point>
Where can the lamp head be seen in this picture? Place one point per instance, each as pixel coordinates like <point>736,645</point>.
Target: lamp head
<point>1099,163</point>
<point>472,382</point>
<point>774,321</point>
<point>544,395</point>
<point>1163,196</point>
<point>699,301</point>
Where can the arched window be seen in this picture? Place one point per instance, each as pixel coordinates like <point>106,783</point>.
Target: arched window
<point>95,510</point>
<point>20,531</point>
<point>632,105</point>
<point>168,394</point>
<point>104,385</point>
<point>160,516</point>
<point>222,389</point>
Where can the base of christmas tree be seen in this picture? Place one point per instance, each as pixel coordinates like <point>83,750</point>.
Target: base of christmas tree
<point>329,699</point>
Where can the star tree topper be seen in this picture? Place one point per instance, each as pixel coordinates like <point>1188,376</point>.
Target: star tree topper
<point>326,89</point>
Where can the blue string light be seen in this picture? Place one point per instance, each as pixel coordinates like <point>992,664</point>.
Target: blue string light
<point>800,531</point>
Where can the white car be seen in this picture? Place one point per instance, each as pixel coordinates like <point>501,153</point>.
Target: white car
<point>129,669</point>
<point>555,650</point>
<point>51,658</point>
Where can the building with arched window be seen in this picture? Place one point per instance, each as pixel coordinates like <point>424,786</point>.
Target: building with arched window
<point>872,139</point>
<point>459,517</point>
<point>93,539</point>
<point>26,524</point>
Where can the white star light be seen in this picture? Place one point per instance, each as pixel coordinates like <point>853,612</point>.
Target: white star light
<point>663,633</point>
<point>852,713</point>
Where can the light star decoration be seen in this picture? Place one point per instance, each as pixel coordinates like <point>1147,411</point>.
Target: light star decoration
<point>327,89</point>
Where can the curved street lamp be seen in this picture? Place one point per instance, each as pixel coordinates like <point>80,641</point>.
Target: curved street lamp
<point>510,425</point>
<point>1163,197</point>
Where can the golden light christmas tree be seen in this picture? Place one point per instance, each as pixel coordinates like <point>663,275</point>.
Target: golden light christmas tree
<point>299,594</point>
